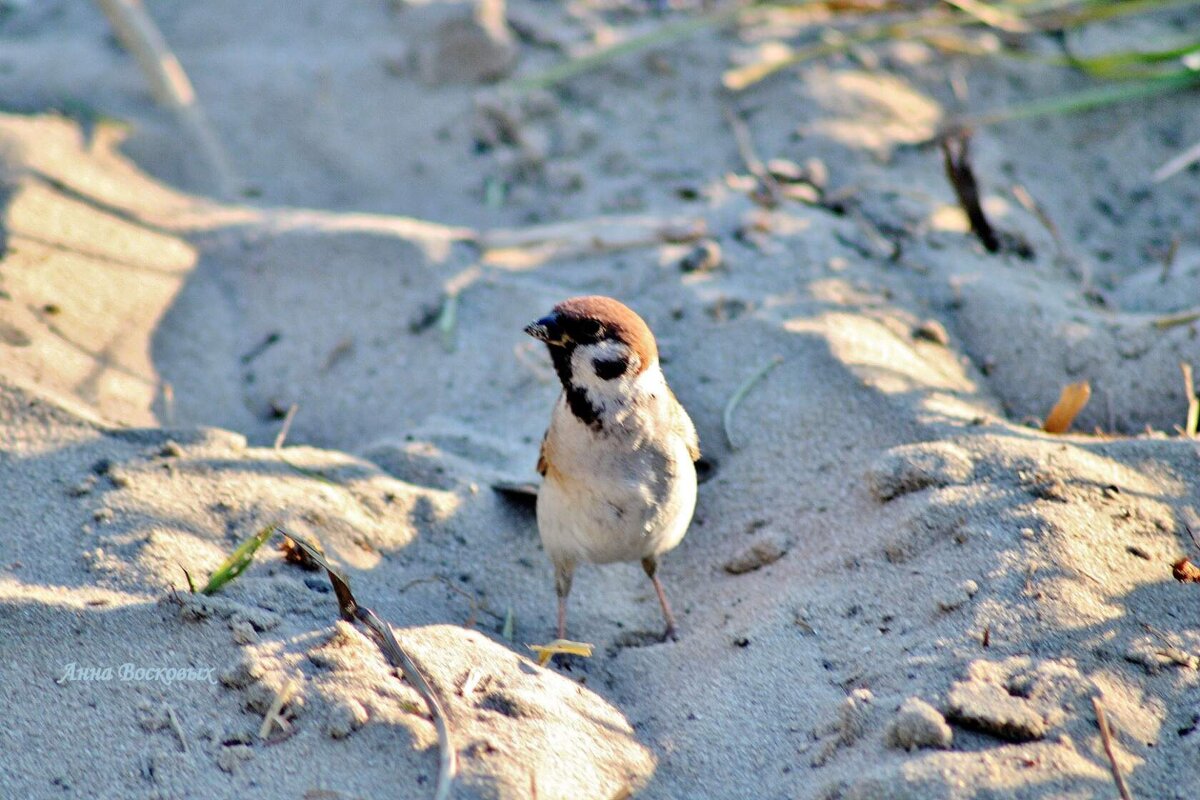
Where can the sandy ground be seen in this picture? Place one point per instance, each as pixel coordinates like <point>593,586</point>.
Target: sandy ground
<point>896,586</point>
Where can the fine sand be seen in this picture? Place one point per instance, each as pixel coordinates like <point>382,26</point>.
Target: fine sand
<point>896,585</point>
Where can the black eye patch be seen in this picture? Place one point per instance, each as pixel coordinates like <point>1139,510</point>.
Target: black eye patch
<point>608,369</point>
<point>585,331</point>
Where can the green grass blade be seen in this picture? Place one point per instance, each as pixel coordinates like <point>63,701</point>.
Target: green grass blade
<point>1106,10</point>
<point>236,564</point>
<point>1087,99</point>
<point>1132,63</point>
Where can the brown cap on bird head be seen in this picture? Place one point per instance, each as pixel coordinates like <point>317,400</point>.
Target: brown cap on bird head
<point>591,319</point>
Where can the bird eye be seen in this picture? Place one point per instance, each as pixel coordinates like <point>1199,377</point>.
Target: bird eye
<point>609,369</point>
<point>587,330</point>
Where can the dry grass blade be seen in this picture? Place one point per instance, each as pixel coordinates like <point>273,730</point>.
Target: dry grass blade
<point>275,718</point>
<point>741,78</point>
<point>173,720</point>
<point>745,145</point>
<point>1193,412</point>
<point>510,624</point>
<point>1106,738</point>
<point>1072,400</point>
<point>956,154</point>
<point>545,652</point>
<point>1031,205</point>
<point>1081,13</point>
<point>1191,521</point>
<point>740,394</point>
<point>1177,164</point>
<point>447,321</point>
<point>236,563</point>
<point>655,38</point>
<point>534,245</point>
<point>168,82</point>
<point>991,15</point>
<point>352,611</point>
<point>287,426</point>
<point>190,583</point>
<point>1086,100</point>
<point>1171,320</point>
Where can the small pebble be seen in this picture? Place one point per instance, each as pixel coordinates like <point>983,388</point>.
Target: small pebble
<point>704,257</point>
<point>757,556</point>
<point>931,330</point>
<point>83,487</point>
<point>918,724</point>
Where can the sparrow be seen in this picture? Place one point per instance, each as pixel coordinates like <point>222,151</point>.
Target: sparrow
<point>618,459</point>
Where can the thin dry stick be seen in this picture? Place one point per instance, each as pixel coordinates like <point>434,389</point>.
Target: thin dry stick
<point>175,726</point>
<point>1193,412</point>
<point>1106,738</point>
<point>745,145</point>
<point>287,426</point>
<point>168,82</point>
<point>956,152</point>
<point>991,15</point>
<point>655,38</point>
<point>1168,258</point>
<point>1034,207</point>
<point>1191,521</point>
<point>274,716</point>
<point>1177,164</point>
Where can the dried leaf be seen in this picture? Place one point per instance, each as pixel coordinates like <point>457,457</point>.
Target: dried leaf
<point>1072,400</point>
<point>560,647</point>
<point>1185,571</point>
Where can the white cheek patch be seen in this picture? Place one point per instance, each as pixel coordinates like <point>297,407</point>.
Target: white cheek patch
<point>583,369</point>
<point>611,394</point>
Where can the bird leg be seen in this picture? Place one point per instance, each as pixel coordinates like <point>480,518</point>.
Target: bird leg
<point>563,573</point>
<point>650,565</point>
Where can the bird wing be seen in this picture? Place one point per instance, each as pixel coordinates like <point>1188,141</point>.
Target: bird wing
<point>683,425</point>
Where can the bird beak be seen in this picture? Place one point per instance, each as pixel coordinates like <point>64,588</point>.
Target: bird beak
<point>545,329</point>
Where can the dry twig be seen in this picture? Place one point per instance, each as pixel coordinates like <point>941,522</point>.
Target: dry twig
<point>531,246</point>
<point>175,726</point>
<point>1106,738</point>
<point>287,426</point>
<point>1177,164</point>
<point>956,152</point>
<point>745,145</point>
